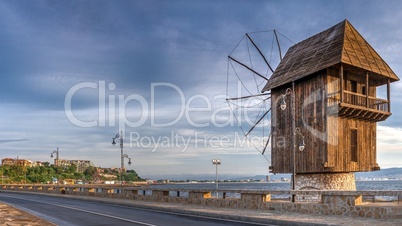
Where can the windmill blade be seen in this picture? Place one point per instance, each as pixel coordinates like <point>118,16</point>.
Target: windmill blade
<point>279,46</point>
<point>251,64</point>
<point>258,95</point>
<point>259,51</point>
<point>257,122</point>
<point>266,144</point>
<point>249,68</point>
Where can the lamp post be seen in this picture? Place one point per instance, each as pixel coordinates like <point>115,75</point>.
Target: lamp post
<point>216,162</point>
<point>295,130</point>
<point>122,155</point>
<point>56,162</point>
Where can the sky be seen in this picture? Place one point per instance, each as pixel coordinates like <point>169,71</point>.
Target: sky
<point>75,73</point>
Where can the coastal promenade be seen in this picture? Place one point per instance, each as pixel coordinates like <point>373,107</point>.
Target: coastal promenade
<point>254,208</point>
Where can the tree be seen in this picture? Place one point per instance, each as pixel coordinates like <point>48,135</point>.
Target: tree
<point>71,169</point>
<point>45,173</point>
<point>90,173</point>
<point>131,175</point>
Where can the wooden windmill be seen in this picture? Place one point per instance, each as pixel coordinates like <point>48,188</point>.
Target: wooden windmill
<point>324,108</point>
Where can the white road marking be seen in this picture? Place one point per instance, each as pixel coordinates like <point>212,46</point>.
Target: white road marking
<point>86,211</point>
<point>104,215</point>
<point>148,209</point>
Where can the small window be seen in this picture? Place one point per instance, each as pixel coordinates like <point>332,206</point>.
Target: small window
<point>364,90</point>
<point>353,86</point>
<point>353,145</point>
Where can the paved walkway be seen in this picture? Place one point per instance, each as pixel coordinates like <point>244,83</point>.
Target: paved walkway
<point>258,216</point>
<point>242,215</point>
<point>12,216</point>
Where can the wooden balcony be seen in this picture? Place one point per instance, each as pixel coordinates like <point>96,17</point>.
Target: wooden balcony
<point>355,105</point>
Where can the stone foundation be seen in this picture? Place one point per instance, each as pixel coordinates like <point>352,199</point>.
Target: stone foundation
<point>323,181</point>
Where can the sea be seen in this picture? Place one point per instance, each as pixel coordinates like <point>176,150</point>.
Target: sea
<point>281,186</point>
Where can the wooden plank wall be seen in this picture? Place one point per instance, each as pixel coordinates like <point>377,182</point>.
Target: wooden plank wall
<point>339,155</point>
<point>310,118</point>
<point>327,137</point>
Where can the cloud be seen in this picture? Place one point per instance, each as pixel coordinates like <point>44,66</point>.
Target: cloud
<point>17,140</point>
<point>48,48</point>
<point>389,139</point>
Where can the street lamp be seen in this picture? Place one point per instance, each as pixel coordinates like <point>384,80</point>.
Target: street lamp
<point>122,155</point>
<point>129,159</point>
<point>283,102</point>
<point>216,162</point>
<point>56,162</point>
<point>302,144</point>
<point>295,130</point>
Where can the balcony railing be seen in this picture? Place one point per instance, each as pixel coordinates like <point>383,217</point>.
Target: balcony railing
<point>358,106</point>
<point>362,101</point>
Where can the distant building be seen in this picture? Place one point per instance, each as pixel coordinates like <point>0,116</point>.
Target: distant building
<point>81,165</point>
<point>19,162</point>
<point>8,162</point>
<point>163,181</point>
<point>37,163</point>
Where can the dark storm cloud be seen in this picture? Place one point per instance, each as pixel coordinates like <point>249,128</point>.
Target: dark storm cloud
<point>50,47</point>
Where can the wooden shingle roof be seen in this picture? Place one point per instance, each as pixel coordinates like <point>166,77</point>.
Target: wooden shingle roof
<point>338,44</point>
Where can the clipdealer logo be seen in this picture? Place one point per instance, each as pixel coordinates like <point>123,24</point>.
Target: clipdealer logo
<point>187,109</point>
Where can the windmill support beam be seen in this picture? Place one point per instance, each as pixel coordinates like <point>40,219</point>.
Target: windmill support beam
<point>367,90</point>
<point>341,81</point>
<point>389,94</point>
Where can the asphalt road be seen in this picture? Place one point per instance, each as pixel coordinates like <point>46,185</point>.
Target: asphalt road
<point>62,211</point>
